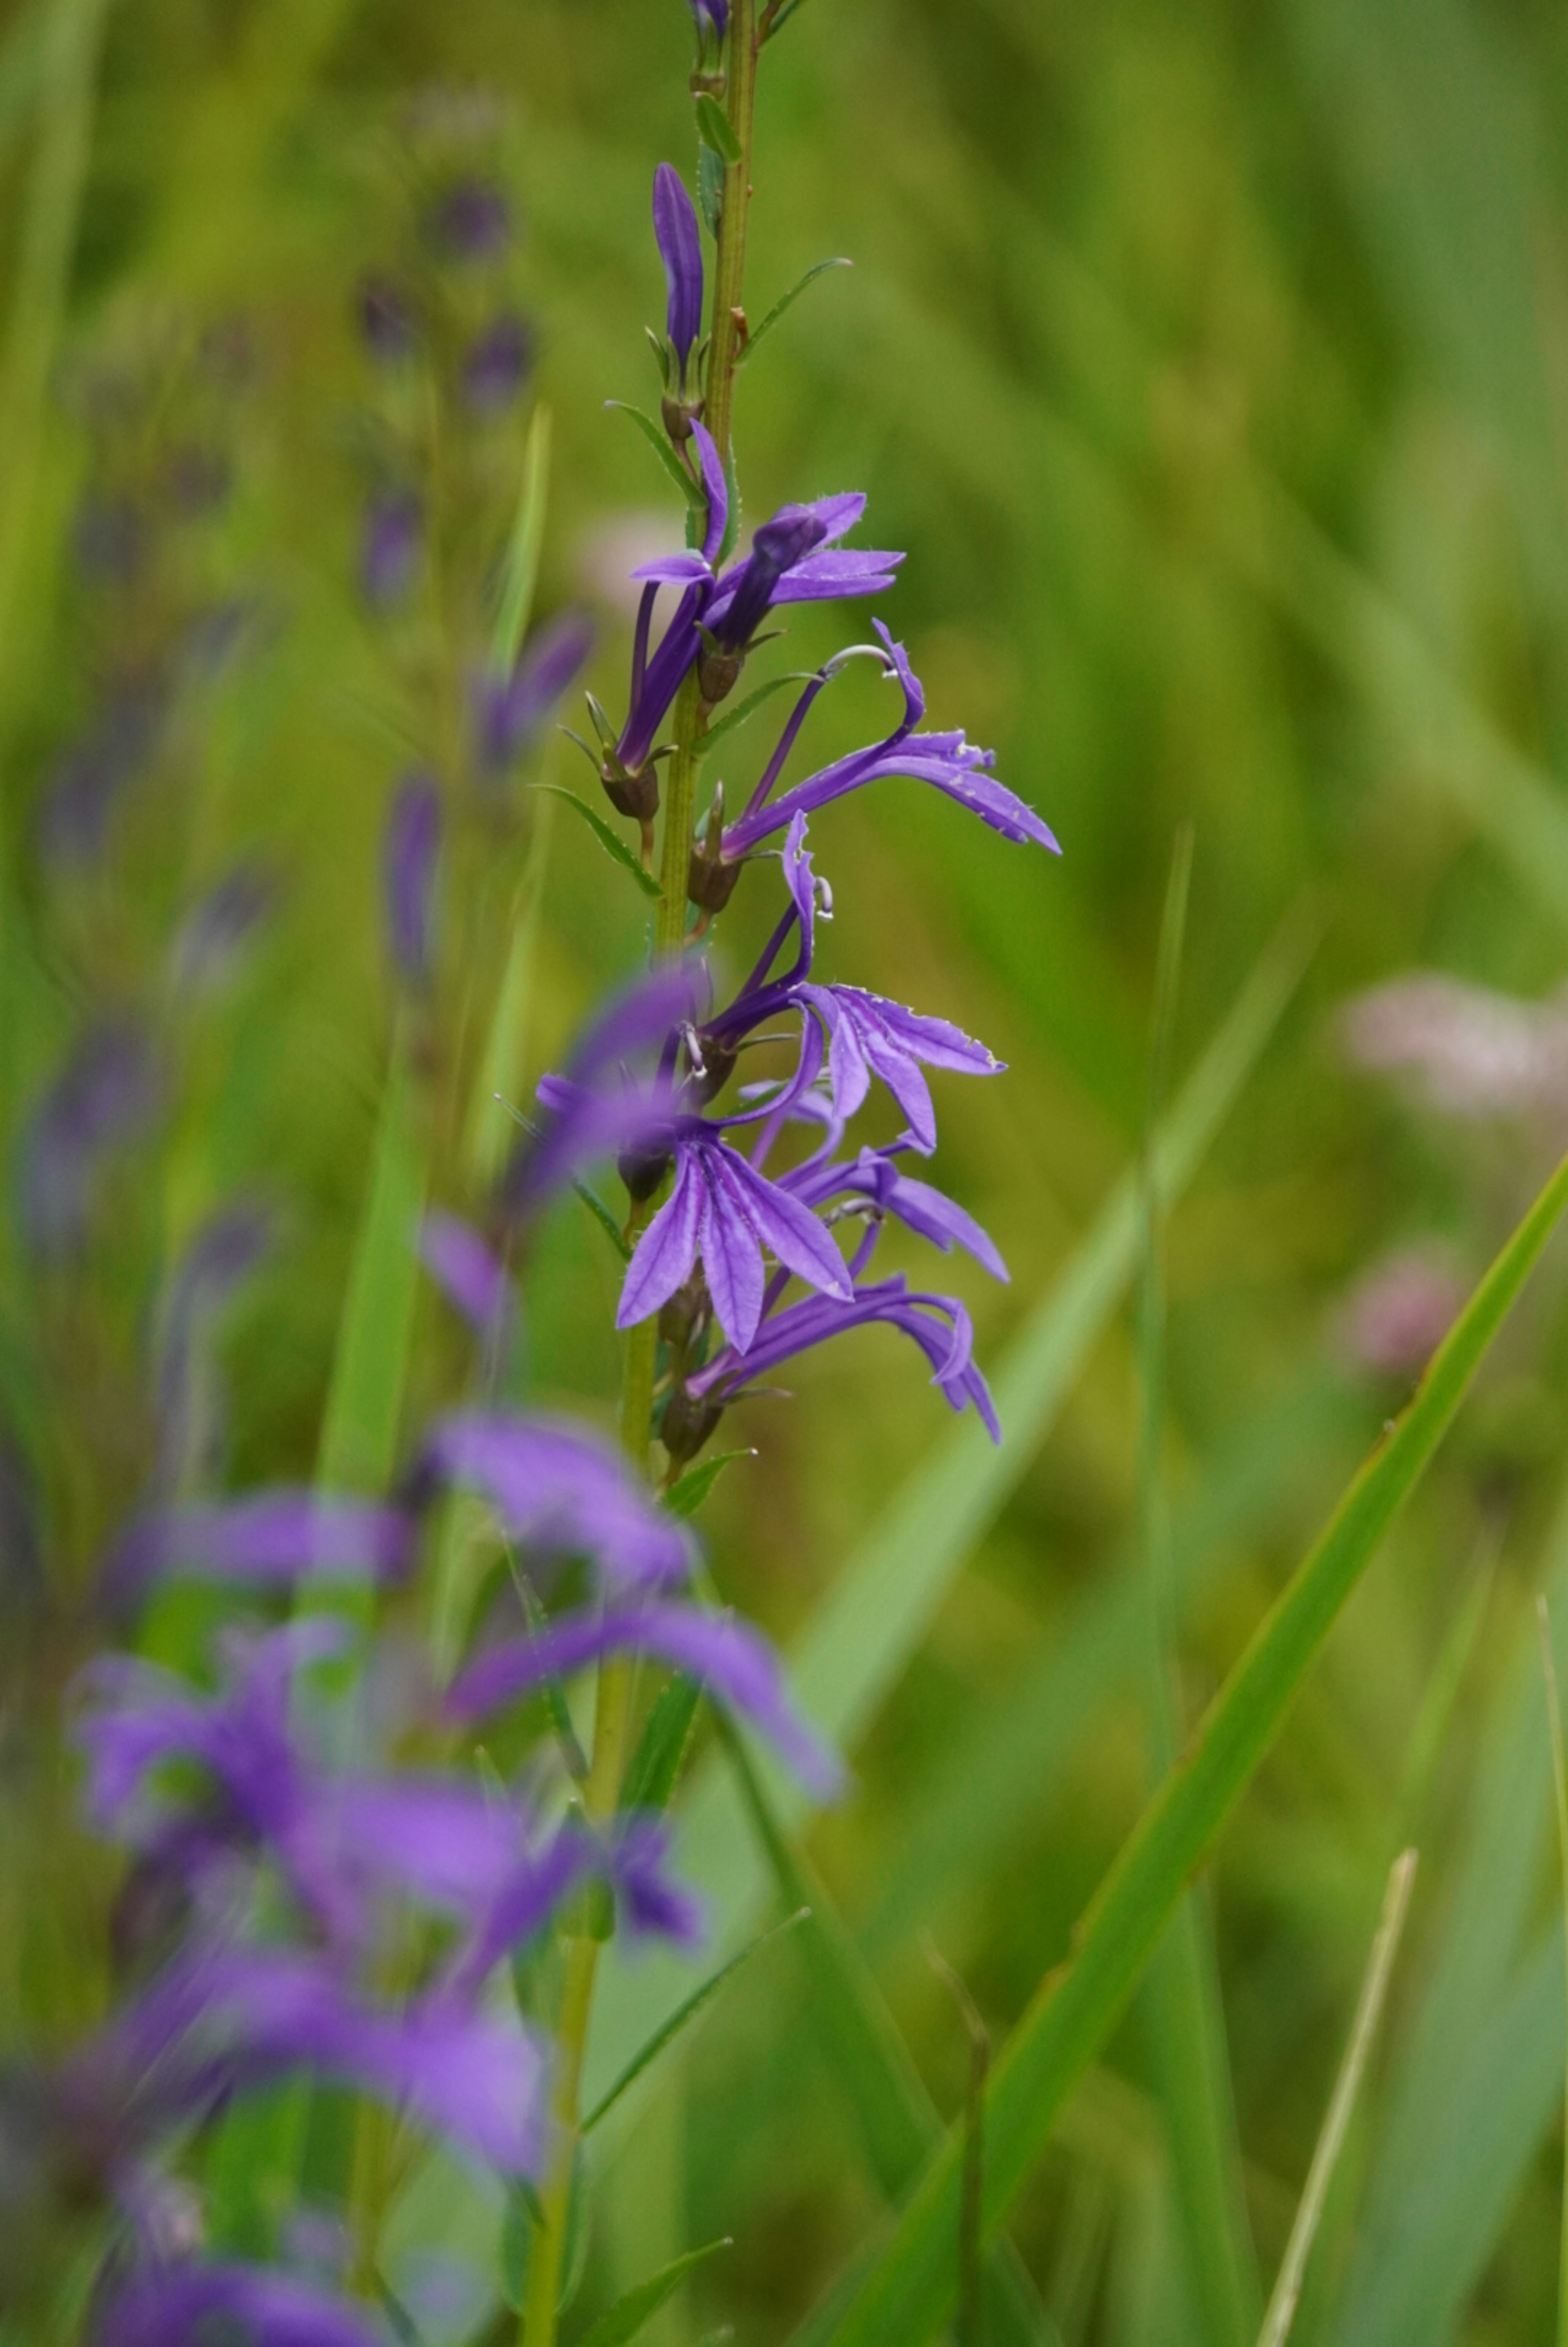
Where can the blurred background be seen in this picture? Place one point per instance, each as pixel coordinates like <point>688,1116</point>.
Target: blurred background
<point>1210,363</point>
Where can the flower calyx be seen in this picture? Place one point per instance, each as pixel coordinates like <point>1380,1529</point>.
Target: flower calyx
<point>709,881</point>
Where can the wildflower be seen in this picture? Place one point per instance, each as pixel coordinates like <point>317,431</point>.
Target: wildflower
<point>712,16</point>
<point>93,775</point>
<point>470,221</point>
<point>106,1096</point>
<point>496,366</point>
<point>1469,1051</point>
<point>222,1254</point>
<point>214,934</point>
<point>390,546</point>
<point>268,1539</point>
<point>679,242</point>
<point>412,845</point>
<point>509,712</point>
<point>188,2302</point>
<point>470,1275</point>
<point>1399,1312</point>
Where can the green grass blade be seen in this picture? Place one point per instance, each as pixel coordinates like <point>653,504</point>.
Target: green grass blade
<point>872,1620</point>
<point>909,2292</point>
<point>505,1047</point>
<point>369,1364</point>
<point>629,2314</point>
<point>522,573</point>
<point>1285,2295</point>
<point>687,2013</point>
<point>1560,1790</point>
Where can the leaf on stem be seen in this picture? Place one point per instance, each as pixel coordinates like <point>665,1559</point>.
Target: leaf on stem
<point>734,719</point>
<point>686,2014</point>
<point>715,131</point>
<point>684,1498</point>
<point>787,302</point>
<point>614,848</point>
<point>660,444</point>
<point>629,2314</point>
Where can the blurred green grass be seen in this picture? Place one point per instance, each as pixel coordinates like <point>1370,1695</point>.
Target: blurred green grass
<point>1149,308</point>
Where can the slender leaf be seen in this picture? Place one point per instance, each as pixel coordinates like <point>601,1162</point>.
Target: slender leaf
<point>605,1219</point>
<point>369,1364</point>
<point>909,2292</point>
<point>629,2314</point>
<point>787,302</point>
<point>656,1765</point>
<point>684,1498</point>
<point>709,185</point>
<point>659,442</point>
<point>521,576</point>
<point>615,848</point>
<point>1287,2292</point>
<point>688,2011</point>
<point>715,128</point>
<point>506,1044</point>
<point>875,1615</point>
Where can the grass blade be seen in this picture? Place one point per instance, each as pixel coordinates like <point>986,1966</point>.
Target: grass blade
<point>863,1635</point>
<point>1287,2292</point>
<point>909,2291</point>
<point>369,1364</point>
<point>629,2314</point>
<point>1560,1788</point>
<point>522,574</point>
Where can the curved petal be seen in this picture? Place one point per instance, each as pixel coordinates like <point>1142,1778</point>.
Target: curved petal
<point>667,1250</point>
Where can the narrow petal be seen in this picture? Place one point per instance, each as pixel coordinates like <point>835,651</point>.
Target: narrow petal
<point>189,2305</point>
<point>667,1250</point>
<point>274,1537</point>
<point>789,1230</point>
<point>731,1253</point>
<point>717,490</point>
<point>680,248</point>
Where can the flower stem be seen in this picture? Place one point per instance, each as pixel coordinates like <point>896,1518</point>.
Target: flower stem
<point>613,1716</point>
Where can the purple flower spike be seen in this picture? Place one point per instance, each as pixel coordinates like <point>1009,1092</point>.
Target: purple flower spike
<point>390,546</point>
<point>558,1489</point>
<point>509,712</point>
<point>105,1098</point>
<point>471,220</point>
<point>191,2305</point>
<point>470,1273</point>
<point>680,248</point>
<point>413,847</point>
<point>497,366</point>
<point>722,1210</point>
<point>386,320</point>
<point>730,1657</point>
<point>273,1539</point>
<point>95,773</point>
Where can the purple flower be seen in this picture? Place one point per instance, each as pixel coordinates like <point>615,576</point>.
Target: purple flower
<point>214,934</point>
<point>390,545</point>
<point>1400,1311</point>
<point>272,1539</point>
<point>470,220</point>
<point>225,1250</point>
<point>724,1212</point>
<point>508,711</point>
<point>730,1658</point>
<point>93,776</point>
<point>386,320</point>
<point>192,2305</point>
<point>945,760</point>
<point>470,1273</point>
<point>680,248</point>
<point>557,1488</point>
<point>711,16</point>
<point>106,1096</point>
<point>873,1177</point>
<point>111,539</point>
<point>412,845</point>
<point>495,367</point>
<point>793,561</point>
<point>939,1324</point>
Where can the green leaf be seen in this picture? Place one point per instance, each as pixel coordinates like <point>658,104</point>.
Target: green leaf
<point>650,1781</point>
<point>614,847</point>
<point>734,719</point>
<point>684,1498</point>
<point>629,2314</point>
<point>777,22</point>
<point>787,302</point>
<point>709,185</point>
<point>716,129</point>
<point>659,442</point>
<point>909,2289</point>
<point>522,573</point>
<point>506,1044</point>
<point>605,1219</point>
<point>688,2013</point>
<point>874,1618</point>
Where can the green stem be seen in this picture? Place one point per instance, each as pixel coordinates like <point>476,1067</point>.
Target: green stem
<point>729,268</point>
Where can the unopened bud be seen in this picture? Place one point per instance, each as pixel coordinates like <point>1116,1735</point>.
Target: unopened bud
<point>642,1171</point>
<point>686,1424</point>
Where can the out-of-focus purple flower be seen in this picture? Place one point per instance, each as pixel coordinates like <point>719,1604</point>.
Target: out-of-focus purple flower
<point>111,539</point>
<point>1399,1312</point>
<point>216,931</point>
<point>197,479</point>
<point>1469,1051</point>
<point>940,1324</point>
<point>725,1213</point>
<point>946,761</point>
<point>386,320</point>
<point>730,1657</point>
<point>107,1095</point>
<point>557,1488</point>
<point>271,1540</point>
<point>470,220</point>
<point>91,777</point>
<point>652,1904</point>
<point>225,1250</point>
<point>470,1273</point>
<point>795,558</point>
<point>389,543</point>
<point>509,712</point>
<point>680,248</point>
<point>411,850</point>
<point>496,367</point>
<point>192,2304</point>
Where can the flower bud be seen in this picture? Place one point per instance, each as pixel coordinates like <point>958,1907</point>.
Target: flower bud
<point>642,1171</point>
<point>686,1424</point>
